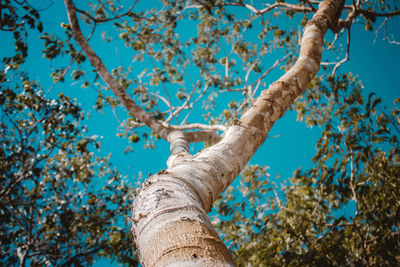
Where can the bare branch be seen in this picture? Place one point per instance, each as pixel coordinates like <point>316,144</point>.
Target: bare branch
<point>162,99</point>
<point>337,36</point>
<point>377,14</point>
<point>184,105</point>
<point>194,102</point>
<point>383,25</point>
<point>311,6</point>
<point>338,64</point>
<point>162,82</point>
<point>269,7</point>
<point>276,64</point>
<point>257,83</point>
<point>259,79</point>
<point>385,37</point>
<point>115,114</point>
<point>393,41</point>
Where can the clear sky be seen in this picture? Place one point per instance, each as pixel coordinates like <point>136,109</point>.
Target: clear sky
<point>375,61</point>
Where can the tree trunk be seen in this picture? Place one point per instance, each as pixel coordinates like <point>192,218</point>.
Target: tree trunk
<point>171,226</point>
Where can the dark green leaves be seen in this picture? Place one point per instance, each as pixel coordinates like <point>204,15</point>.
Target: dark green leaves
<point>344,210</point>
<point>18,18</point>
<point>60,204</point>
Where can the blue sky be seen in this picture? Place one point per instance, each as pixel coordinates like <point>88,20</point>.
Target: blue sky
<point>377,63</point>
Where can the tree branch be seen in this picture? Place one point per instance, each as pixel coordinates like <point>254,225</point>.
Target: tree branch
<point>385,37</point>
<point>109,19</point>
<point>193,126</point>
<point>271,6</point>
<point>338,64</point>
<point>162,129</point>
<point>377,14</point>
<point>112,83</point>
<point>170,224</point>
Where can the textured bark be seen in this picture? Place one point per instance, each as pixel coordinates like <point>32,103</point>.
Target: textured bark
<point>171,227</point>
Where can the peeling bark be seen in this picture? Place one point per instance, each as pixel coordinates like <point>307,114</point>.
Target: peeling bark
<point>171,227</point>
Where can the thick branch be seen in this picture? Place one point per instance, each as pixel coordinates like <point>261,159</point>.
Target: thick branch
<point>171,227</point>
<point>273,103</point>
<point>113,84</point>
<point>163,130</point>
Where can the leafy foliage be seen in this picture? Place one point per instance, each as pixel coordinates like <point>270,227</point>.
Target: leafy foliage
<point>171,73</point>
<point>19,17</point>
<point>62,205</point>
<point>52,212</point>
<point>345,210</point>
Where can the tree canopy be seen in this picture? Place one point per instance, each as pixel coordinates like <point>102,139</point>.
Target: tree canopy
<point>53,209</point>
<point>185,71</point>
<point>356,165</point>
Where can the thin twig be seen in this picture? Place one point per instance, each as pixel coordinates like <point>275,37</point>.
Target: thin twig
<point>338,64</point>
<point>109,19</point>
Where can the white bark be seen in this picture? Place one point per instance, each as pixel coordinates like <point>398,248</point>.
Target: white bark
<point>171,227</point>
<point>170,222</point>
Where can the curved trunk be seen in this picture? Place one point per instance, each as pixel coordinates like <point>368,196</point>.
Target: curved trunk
<point>171,227</point>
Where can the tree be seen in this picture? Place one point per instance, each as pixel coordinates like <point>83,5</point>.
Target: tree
<point>169,216</point>
<point>52,212</point>
<point>356,165</point>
